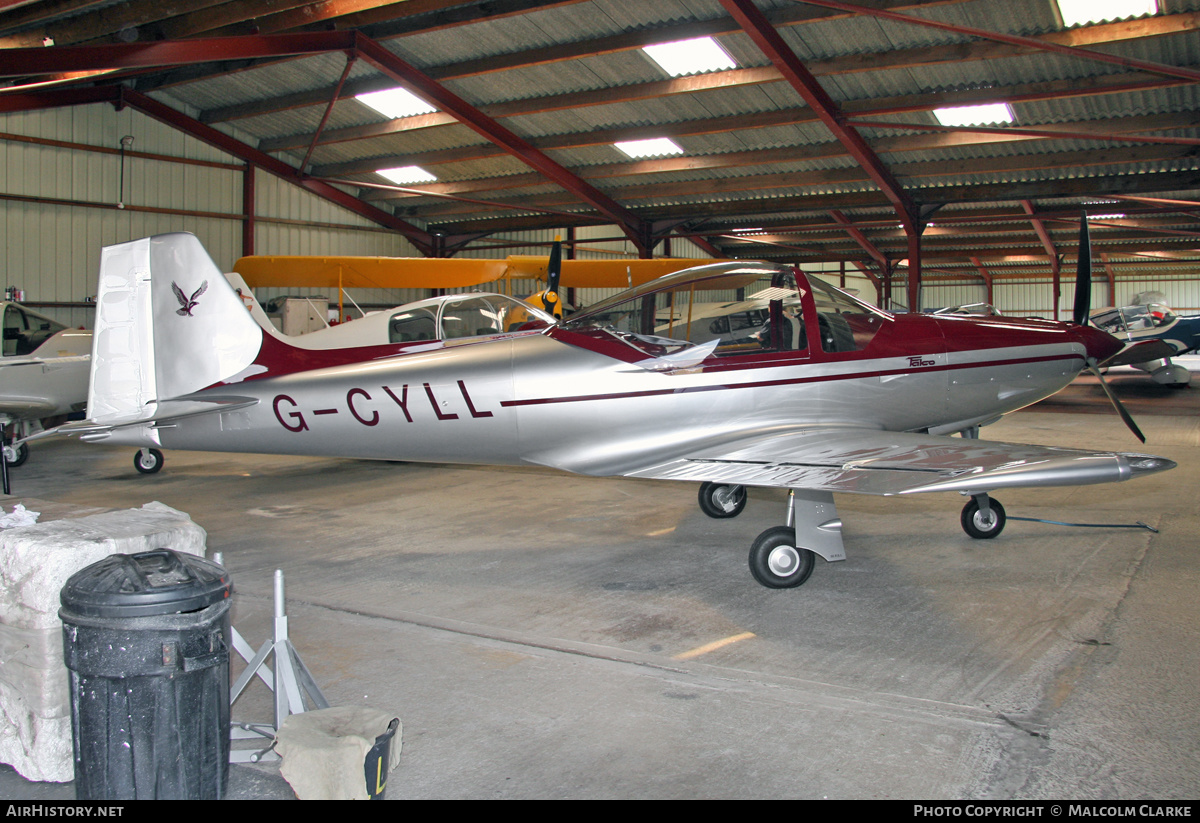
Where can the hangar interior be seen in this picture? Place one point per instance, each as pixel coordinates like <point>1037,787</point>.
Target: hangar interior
<point>545,635</point>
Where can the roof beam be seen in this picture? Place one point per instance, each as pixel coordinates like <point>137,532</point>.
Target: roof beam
<point>505,190</point>
<point>879,257</point>
<point>176,119</point>
<point>1035,43</point>
<point>101,58</point>
<point>437,95</point>
<point>1028,92</point>
<point>764,35</point>
<point>898,58</point>
<point>1129,184</point>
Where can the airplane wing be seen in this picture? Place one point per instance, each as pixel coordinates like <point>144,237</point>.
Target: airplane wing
<point>867,461</point>
<point>25,408</point>
<point>264,271</point>
<point>1142,351</point>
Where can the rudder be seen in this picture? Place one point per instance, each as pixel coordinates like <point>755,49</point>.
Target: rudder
<point>167,324</point>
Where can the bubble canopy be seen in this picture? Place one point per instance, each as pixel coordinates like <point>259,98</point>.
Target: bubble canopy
<point>737,308</point>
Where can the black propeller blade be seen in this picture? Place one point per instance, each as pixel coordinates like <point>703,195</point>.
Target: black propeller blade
<point>1083,275</point>
<point>1083,308</point>
<point>550,299</point>
<point>554,267</point>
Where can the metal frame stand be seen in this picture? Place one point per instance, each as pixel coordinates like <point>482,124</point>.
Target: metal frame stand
<point>290,681</point>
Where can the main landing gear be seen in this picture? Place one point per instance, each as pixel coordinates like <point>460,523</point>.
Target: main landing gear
<point>982,517</point>
<point>148,461</point>
<point>15,455</point>
<point>778,562</point>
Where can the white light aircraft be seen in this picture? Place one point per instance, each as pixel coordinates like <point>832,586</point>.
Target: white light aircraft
<point>43,373</point>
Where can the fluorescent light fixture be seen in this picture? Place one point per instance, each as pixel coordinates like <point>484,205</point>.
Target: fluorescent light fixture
<point>982,115</point>
<point>690,56</point>
<point>401,175</point>
<point>1106,217</point>
<point>656,147</point>
<point>1083,12</point>
<point>395,103</point>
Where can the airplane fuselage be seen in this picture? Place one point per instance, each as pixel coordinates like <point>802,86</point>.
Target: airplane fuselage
<point>575,401</point>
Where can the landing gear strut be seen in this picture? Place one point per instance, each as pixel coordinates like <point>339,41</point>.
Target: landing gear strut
<point>777,561</point>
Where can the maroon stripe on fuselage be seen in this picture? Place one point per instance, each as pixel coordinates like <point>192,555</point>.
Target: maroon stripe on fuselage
<point>791,381</point>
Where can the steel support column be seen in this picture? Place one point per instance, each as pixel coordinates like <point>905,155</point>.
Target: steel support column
<point>249,210</point>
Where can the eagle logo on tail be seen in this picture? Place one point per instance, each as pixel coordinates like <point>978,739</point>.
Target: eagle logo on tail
<point>187,303</point>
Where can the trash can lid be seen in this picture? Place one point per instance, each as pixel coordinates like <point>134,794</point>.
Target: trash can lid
<point>157,582</point>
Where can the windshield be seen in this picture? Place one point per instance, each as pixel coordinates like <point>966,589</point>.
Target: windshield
<point>727,302</point>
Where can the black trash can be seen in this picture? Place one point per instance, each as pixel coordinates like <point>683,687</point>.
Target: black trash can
<point>146,640</point>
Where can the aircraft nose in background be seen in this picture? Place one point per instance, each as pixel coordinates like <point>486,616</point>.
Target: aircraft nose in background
<point>1100,345</point>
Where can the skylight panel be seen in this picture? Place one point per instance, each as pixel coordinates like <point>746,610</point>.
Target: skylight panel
<point>401,175</point>
<point>987,114</point>
<point>694,56</point>
<point>1084,12</point>
<point>396,103</point>
<point>656,147</point>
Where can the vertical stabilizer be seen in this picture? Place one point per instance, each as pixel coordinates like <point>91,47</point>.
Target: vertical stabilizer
<point>167,324</point>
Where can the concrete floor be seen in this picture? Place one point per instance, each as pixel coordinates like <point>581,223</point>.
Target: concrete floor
<point>549,636</point>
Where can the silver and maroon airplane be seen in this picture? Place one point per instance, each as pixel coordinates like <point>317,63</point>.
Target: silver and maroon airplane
<point>813,391</point>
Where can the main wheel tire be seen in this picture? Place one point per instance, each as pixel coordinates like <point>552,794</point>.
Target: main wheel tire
<point>148,461</point>
<point>16,456</point>
<point>974,523</point>
<point>721,500</point>
<point>777,562</point>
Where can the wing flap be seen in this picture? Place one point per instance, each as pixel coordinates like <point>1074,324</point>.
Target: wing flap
<point>867,461</point>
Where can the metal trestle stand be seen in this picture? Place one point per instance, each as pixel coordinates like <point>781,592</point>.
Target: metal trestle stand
<point>290,681</point>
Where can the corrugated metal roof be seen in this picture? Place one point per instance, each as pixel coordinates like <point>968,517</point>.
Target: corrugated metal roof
<point>569,78</point>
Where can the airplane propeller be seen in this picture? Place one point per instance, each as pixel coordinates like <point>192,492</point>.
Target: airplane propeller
<point>1083,275</point>
<point>553,278</point>
<point>1082,311</point>
<point>548,298</point>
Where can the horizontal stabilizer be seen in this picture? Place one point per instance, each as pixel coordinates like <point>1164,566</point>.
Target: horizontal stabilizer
<point>154,414</point>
